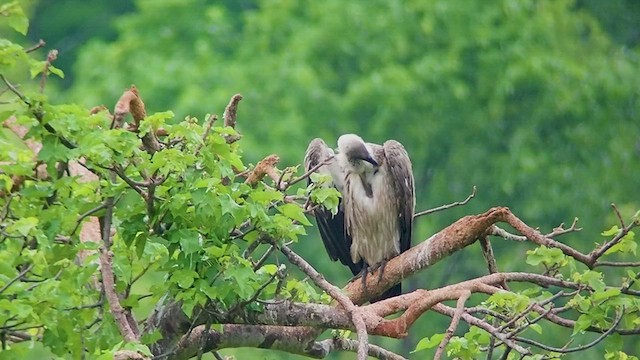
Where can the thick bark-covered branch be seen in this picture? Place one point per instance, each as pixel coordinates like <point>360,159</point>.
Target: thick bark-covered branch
<point>456,236</point>
<point>304,322</point>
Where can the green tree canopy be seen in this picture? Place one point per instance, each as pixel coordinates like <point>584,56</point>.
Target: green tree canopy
<point>503,95</point>
<point>528,100</point>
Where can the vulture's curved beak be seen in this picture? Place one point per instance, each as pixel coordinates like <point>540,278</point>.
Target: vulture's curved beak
<point>371,161</point>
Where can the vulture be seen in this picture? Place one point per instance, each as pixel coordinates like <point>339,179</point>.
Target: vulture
<point>375,215</point>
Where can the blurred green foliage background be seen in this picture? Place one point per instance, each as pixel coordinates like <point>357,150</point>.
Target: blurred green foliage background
<point>535,102</point>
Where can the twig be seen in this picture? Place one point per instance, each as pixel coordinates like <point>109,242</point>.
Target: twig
<point>16,278</point>
<point>577,348</point>
<point>615,210</point>
<point>454,324</point>
<point>37,113</point>
<point>210,121</point>
<point>347,304</point>
<point>487,252</point>
<point>602,249</point>
<point>133,184</point>
<point>263,258</point>
<point>35,47</point>
<point>536,237</point>
<point>51,57</point>
<point>497,231</point>
<point>85,215</point>
<point>15,90</point>
<point>352,345</point>
<point>471,320</point>
<point>485,311</point>
<point>309,172</point>
<point>617,264</point>
<point>448,206</point>
<point>81,307</point>
<point>560,230</point>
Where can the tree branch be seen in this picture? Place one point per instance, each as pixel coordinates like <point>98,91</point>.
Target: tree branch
<point>356,317</point>
<point>454,324</point>
<point>448,206</point>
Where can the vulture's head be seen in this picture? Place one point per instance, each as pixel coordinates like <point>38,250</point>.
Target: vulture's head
<point>355,149</point>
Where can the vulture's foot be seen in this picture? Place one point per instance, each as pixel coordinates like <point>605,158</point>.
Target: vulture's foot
<point>381,265</point>
<point>363,274</point>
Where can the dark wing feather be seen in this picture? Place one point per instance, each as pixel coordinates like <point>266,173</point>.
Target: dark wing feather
<point>332,231</point>
<point>402,174</point>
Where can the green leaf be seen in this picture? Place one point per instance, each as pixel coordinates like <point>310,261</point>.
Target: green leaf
<point>618,355</point>
<point>23,226</point>
<point>612,231</point>
<point>229,206</point>
<point>605,294</point>
<point>583,322</point>
<point>508,300</point>
<point>546,256</point>
<point>536,327</point>
<point>28,350</point>
<point>6,182</point>
<point>16,17</point>
<point>190,241</point>
<point>154,121</point>
<point>294,212</point>
<point>54,70</point>
<point>329,197</point>
<point>184,277</point>
<point>626,245</point>
<point>270,269</point>
<point>428,343</point>
<point>591,278</point>
<point>137,347</point>
<point>37,67</point>
<point>242,278</point>
<point>265,196</point>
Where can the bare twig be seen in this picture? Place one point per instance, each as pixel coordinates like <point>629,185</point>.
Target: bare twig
<point>455,319</point>
<point>35,47</point>
<point>210,121</point>
<point>352,346</point>
<point>15,90</point>
<point>536,237</point>
<point>85,215</point>
<point>309,172</point>
<point>560,230</point>
<point>347,304</point>
<point>16,278</point>
<point>471,320</point>
<point>448,206</point>
<point>618,215</point>
<point>497,231</point>
<point>617,264</point>
<point>263,258</point>
<point>577,348</point>
<point>51,57</point>
<point>487,252</point>
<point>133,184</point>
